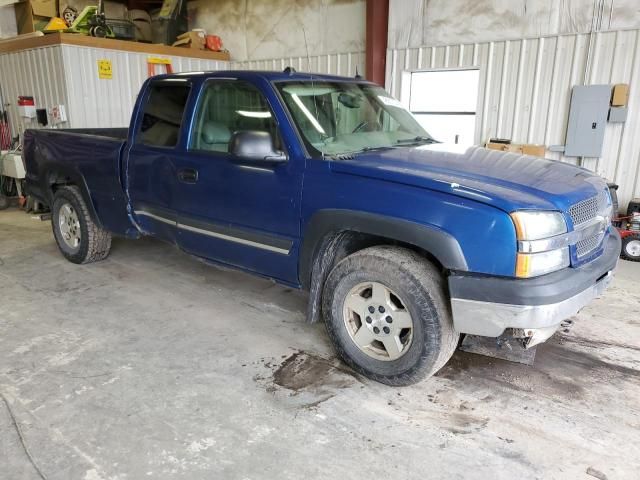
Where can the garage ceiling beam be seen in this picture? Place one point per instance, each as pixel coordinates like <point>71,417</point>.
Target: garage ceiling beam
<point>376,49</point>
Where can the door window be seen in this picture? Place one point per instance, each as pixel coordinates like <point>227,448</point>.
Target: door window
<point>227,107</point>
<point>164,114</point>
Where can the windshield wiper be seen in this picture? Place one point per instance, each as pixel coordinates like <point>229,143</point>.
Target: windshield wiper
<point>370,149</point>
<point>416,140</point>
<point>351,155</point>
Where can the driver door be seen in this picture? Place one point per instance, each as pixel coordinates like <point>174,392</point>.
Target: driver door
<point>230,210</point>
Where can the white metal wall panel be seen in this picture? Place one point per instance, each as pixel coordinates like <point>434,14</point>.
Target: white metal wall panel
<point>108,102</point>
<point>38,73</point>
<point>68,75</point>
<point>525,91</point>
<point>344,64</point>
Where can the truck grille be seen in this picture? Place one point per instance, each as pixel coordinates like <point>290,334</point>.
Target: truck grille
<point>588,245</point>
<point>584,211</point>
<point>587,209</point>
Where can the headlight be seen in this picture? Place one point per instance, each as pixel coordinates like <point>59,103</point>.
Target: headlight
<point>542,243</point>
<point>532,225</point>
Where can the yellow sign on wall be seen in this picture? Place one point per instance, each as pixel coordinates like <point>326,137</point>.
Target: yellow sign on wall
<point>159,60</point>
<point>105,71</point>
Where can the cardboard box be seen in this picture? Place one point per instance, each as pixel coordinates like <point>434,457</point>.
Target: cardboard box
<point>522,149</point>
<point>535,150</point>
<point>44,8</point>
<point>504,147</point>
<point>34,15</point>
<point>191,39</point>
<point>620,95</point>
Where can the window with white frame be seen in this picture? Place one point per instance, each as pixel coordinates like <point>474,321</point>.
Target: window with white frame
<point>444,102</point>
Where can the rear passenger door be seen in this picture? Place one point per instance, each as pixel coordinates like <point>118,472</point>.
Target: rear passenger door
<point>234,211</point>
<point>151,168</point>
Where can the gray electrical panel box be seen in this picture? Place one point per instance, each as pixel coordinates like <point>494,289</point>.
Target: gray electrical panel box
<point>587,119</point>
<point>618,114</point>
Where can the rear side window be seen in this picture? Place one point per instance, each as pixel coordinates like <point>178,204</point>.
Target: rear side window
<point>164,114</point>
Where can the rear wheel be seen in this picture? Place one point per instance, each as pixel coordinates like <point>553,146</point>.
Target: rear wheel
<point>388,315</point>
<point>79,239</point>
<point>631,247</point>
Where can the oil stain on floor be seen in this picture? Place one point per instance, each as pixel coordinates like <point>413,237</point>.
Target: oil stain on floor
<point>310,378</point>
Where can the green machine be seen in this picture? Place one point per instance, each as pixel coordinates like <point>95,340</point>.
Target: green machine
<point>92,21</point>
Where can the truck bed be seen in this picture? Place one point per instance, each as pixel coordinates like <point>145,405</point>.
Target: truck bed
<point>89,158</point>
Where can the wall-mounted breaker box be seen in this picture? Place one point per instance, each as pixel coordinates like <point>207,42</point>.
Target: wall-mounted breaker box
<point>59,114</point>
<point>618,114</point>
<point>587,120</point>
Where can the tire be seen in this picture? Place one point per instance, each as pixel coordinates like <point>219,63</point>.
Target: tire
<point>631,247</point>
<point>634,206</point>
<point>92,242</point>
<point>414,287</point>
<point>99,31</point>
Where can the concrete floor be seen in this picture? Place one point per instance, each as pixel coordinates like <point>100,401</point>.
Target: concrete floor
<point>154,365</point>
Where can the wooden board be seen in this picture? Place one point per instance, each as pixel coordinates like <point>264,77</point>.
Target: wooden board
<point>28,42</point>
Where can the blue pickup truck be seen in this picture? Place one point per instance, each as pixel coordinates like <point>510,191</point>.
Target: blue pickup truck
<point>330,185</point>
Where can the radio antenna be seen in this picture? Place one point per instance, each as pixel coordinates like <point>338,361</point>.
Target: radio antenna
<point>306,46</point>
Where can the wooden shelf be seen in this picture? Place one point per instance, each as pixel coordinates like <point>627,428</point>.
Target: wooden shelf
<point>28,42</point>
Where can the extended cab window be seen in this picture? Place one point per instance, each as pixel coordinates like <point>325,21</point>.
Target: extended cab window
<point>163,114</point>
<point>226,107</point>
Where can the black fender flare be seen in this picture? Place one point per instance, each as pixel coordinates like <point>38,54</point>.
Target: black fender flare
<point>75,178</point>
<point>329,229</point>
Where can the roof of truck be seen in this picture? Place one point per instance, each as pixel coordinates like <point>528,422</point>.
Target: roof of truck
<point>268,75</point>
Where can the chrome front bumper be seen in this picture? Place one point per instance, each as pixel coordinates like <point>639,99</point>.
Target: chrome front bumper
<point>534,308</point>
<point>539,321</point>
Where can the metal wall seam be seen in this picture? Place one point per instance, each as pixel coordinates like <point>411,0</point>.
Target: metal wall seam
<point>109,102</point>
<point>344,64</point>
<point>68,75</point>
<point>36,73</point>
<point>525,91</point>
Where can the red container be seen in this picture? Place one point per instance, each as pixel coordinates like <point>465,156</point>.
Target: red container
<point>25,101</point>
<point>214,43</point>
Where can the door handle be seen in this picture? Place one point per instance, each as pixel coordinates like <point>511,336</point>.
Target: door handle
<point>188,175</point>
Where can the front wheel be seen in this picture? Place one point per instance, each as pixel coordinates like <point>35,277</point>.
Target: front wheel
<point>388,315</point>
<point>78,237</point>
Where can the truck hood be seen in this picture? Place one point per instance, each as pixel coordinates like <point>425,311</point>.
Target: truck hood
<point>508,181</point>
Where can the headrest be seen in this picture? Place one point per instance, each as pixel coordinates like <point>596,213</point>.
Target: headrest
<point>213,132</point>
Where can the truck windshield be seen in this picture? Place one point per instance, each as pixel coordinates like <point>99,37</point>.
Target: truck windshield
<point>342,117</point>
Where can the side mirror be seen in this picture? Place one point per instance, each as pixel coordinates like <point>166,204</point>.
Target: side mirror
<point>255,146</point>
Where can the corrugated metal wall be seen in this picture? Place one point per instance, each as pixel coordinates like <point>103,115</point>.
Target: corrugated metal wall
<point>108,103</point>
<point>68,75</point>
<point>332,64</point>
<point>525,90</point>
<point>38,73</point>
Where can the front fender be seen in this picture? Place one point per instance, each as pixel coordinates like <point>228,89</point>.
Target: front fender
<point>324,223</point>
